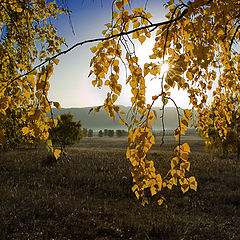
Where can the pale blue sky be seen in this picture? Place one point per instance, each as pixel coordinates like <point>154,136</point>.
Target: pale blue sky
<point>70,84</point>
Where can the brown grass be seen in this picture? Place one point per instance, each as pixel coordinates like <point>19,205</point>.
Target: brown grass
<point>89,196</point>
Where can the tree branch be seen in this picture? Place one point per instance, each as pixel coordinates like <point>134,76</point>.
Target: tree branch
<point>154,25</point>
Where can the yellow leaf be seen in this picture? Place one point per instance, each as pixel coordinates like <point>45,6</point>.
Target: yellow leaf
<point>21,66</point>
<point>184,185</point>
<point>160,202</point>
<point>31,80</point>
<point>27,94</point>
<point>186,147</point>
<point>25,130</point>
<point>57,153</point>
<point>56,61</point>
<point>57,105</point>
<point>174,162</point>
<point>115,63</point>
<point>122,121</point>
<point>185,165</point>
<point>141,39</point>
<point>148,15</point>
<point>151,117</point>
<point>221,32</point>
<point>135,187</point>
<point>154,98</point>
<point>101,75</point>
<point>184,123</point>
<point>171,51</point>
<point>193,183</point>
<point>114,97</point>
<point>184,156</point>
<point>176,133</point>
<point>159,182</point>
<point>19,9</point>
<point>155,113</point>
<point>189,75</point>
<point>93,49</point>
<point>119,5</point>
<point>184,188</point>
<point>153,191</point>
<point>114,16</point>
<point>135,35</point>
<point>136,24</point>
<point>151,139</point>
<point>187,113</point>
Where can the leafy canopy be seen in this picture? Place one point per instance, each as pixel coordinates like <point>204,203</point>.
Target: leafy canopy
<point>67,131</point>
<point>198,42</point>
<point>27,37</point>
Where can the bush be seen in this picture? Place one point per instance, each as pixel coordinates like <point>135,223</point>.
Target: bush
<point>121,133</point>
<point>85,132</point>
<point>100,133</point>
<point>105,132</point>
<point>67,132</point>
<point>90,133</point>
<point>110,133</point>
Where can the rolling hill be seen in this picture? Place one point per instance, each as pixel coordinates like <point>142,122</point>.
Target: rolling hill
<point>102,121</point>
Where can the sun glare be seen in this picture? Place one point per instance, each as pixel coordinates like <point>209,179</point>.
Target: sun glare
<point>164,68</point>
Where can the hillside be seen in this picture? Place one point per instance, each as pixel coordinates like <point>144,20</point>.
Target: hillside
<point>102,121</point>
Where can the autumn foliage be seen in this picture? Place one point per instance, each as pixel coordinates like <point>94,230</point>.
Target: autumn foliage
<point>198,41</point>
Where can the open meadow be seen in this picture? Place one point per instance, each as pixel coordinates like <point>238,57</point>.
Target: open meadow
<point>88,195</point>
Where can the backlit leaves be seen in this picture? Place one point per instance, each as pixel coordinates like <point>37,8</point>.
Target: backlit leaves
<point>29,38</point>
<point>110,55</point>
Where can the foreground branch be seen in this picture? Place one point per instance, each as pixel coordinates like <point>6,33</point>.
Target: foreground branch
<point>155,25</point>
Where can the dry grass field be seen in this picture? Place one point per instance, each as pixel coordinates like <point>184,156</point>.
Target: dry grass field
<point>89,195</point>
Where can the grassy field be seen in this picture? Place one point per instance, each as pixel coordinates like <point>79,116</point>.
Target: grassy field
<point>89,196</point>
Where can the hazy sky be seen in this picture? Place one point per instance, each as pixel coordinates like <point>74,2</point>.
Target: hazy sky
<point>70,84</point>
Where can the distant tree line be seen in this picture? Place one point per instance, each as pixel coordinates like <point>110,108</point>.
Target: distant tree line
<point>104,133</point>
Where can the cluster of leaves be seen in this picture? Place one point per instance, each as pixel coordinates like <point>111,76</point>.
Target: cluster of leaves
<point>27,36</point>
<point>230,143</point>
<point>90,133</point>
<point>144,172</point>
<point>12,123</point>
<point>108,55</point>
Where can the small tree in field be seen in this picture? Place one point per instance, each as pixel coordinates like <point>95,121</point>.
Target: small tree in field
<point>110,133</point>
<point>105,133</point>
<point>85,132</point>
<point>100,133</point>
<point>121,133</point>
<point>67,132</point>
<point>90,133</point>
